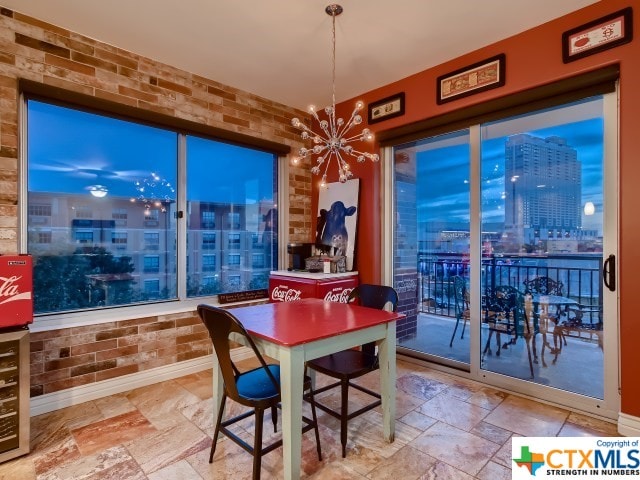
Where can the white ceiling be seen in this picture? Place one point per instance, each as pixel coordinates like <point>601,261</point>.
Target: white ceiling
<point>281,49</point>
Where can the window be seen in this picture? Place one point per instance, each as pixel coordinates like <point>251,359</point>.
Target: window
<point>119,238</point>
<point>84,237</point>
<point>40,210</point>
<point>208,241</point>
<point>151,240</point>
<point>234,220</point>
<point>83,211</point>
<point>257,260</point>
<point>43,237</point>
<point>151,264</point>
<point>152,288</point>
<point>151,217</point>
<point>208,263</point>
<point>102,242</point>
<point>208,219</point>
<point>234,241</point>
<point>120,216</point>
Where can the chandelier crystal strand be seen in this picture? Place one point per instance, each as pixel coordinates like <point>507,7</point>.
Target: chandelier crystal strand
<point>333,141</point>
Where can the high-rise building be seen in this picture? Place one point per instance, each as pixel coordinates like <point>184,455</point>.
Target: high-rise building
<point>543,188</point>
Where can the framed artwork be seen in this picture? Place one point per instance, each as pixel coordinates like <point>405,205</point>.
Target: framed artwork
<point>598,35</point>
<point>386,108</point>
<point>475,78</point>
<point>336,228</point>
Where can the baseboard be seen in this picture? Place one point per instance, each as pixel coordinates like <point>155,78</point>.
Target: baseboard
<point>628,425</point>
<point>85,393</point>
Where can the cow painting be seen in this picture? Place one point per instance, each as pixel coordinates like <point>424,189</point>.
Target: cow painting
<point>332,230</point>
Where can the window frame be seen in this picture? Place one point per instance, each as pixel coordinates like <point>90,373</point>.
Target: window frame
<point>30,90</point>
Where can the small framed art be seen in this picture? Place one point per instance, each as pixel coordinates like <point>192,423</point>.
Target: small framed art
<point>386,108</point>
<point>475,78</point>
<point>601,34</point>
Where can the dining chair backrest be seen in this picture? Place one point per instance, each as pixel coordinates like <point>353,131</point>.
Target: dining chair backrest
<point>380,297</point>
<point>221,325</point>
<point>544,286</point>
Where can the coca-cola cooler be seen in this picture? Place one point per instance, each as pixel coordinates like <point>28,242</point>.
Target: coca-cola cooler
<point>285,286</point>
<point>16,312</point>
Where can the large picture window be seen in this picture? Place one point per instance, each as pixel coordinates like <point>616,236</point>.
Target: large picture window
<point>104,191</point>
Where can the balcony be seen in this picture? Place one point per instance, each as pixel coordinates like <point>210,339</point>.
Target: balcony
<point>564,355</point>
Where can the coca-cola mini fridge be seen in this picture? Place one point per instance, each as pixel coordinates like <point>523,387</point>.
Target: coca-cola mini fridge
<point>16,287</point>
<point>285,286</point>
<point>16,312</point>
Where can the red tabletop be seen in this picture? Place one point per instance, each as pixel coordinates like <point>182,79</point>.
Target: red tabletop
<point>308,320</point>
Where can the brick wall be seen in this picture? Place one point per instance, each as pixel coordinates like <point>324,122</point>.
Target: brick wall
<point>40,52</point>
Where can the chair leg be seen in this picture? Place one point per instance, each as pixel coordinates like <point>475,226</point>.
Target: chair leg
<point>274,418</point>
<point>314,417</point>
<point>217,430</point>
<point>454,332</point>
<point>344,414</point>
<point>257,444</point>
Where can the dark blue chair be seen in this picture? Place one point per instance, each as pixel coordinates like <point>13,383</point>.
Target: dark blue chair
<point>350,364</point>
<point>257,388</point>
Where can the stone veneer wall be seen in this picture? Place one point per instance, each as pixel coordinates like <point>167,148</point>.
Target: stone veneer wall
<point>40,52</point>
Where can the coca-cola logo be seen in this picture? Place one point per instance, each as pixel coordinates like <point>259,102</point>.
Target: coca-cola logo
<point>10,290</point>
<point>285,294</point>
<point>338,296</point>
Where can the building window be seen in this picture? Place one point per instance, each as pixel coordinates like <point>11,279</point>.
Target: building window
<point>120,216</point>
<point>142,202</point>
<point>43,237</point>
<point>234,259</point>
<point>40,210</point>
<point>234,241</point>
<point>257,260</point>
<point>151,217</point>
<point>83,211</point>
<point>208,263</point>
<point>152,289</point>
<point>151,264</point>
<point>234,220</point>
<point>84,237</point>
<point>208,241</point>
<point>208,220</point>
<point>151,241</point>
<point>119,238</point>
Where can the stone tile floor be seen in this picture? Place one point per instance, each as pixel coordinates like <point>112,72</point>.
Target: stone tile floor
<point>447,428</point>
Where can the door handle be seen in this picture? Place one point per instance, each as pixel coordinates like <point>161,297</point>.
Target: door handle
<point>609,273</point>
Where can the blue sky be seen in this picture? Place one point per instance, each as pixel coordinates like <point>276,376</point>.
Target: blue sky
<point>444,172</point>
<point>78,149</point>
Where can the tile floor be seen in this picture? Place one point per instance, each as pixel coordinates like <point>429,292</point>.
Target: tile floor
<point>447,428</point>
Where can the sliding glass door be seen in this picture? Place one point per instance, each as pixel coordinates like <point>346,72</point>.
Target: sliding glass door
<point>510,227</point>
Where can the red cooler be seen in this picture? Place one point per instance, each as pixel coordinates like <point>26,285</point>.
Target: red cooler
<point>287,286</point>
<point>16,290</point>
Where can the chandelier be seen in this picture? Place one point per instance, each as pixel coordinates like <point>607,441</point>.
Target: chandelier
<point>333,139</point>
<point>154,191</point>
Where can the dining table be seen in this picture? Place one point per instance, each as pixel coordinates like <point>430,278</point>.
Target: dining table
<point>298,331</point>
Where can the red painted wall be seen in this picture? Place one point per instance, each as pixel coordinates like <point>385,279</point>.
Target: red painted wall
<point>533,58</point>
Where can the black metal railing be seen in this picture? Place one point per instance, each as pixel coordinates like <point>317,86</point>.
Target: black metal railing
<point>580,275</point>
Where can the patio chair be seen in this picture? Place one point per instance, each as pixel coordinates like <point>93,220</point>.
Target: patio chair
<point>505,314</point>
<point>348,365</point>
<point>461,303</point>
<point>257,388</point>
